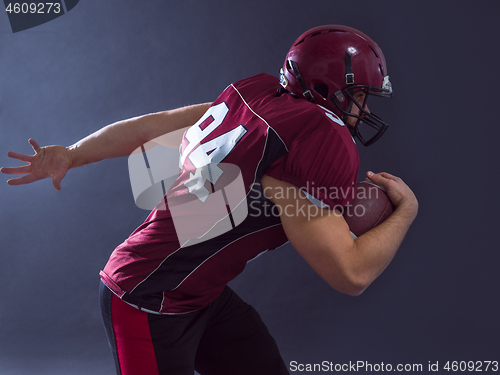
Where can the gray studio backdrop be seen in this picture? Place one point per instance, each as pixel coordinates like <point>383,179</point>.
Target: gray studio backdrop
<point>109,60</point>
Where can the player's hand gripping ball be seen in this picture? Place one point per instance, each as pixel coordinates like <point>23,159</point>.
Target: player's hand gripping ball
<point>370,207</point>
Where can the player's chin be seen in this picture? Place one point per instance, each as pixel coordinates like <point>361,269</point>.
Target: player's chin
<point>351,123</point>
<point>360,121</point>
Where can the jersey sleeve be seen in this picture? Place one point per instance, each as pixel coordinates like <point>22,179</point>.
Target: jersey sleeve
<point>324,164</point>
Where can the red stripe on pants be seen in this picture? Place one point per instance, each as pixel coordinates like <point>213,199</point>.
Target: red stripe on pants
<point>133,339</point>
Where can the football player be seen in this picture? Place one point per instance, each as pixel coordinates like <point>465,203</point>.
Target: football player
<point>165,301</point>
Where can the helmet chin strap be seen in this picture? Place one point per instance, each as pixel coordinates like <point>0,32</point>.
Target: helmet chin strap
<point>349,75</point>
<point>349,80</point>
<point>345,118</point>
<point>305,90</point>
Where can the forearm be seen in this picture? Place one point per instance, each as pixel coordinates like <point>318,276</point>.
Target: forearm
<point>374,250</point>
<point>322,237</point>
<point>123,137</point>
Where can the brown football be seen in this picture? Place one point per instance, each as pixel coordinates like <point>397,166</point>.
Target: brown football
<point>369,208</point>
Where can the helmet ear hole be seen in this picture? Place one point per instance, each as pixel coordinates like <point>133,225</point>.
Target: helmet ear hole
<point>321,89</point>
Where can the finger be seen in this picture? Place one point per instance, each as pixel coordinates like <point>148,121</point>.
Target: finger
<point>56,181</point>
<point>371,175</point>
<point>25,169</point>
<point>380,179</point>
<point>388,176</point>
<point>18,156</point>
<point>34,145</point>
<point>22,180</point>
<point>381,175</point>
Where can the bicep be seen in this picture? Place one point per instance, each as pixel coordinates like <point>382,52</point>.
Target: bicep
<point>167,127</point>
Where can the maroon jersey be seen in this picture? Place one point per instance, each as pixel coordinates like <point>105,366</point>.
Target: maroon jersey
<point>216,217</point>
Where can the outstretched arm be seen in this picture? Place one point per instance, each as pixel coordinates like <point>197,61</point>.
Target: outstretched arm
<point>322,236</point>
<point>115,140</point>
<point>123,137</point>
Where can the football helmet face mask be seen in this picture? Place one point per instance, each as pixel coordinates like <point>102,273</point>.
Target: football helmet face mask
<point>330,64</point>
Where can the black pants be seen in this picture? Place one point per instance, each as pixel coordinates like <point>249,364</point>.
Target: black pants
<point>227,337</point>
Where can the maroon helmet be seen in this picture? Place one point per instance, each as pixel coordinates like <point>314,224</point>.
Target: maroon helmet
<point>329,64</point>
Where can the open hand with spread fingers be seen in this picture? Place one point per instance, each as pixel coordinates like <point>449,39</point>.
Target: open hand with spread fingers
<point>48,161</point>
